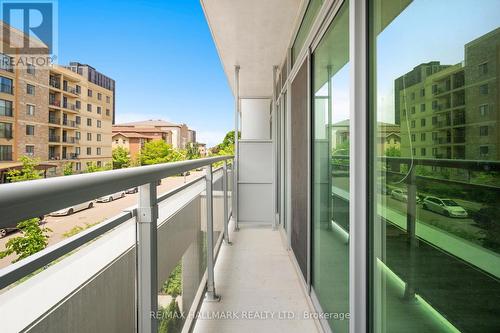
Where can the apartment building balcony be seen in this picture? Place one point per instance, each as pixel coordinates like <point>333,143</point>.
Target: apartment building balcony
<point>71,140</point>
<point>69,123</point>
<point>54,102</point>
<point>70,106</point>
<point>54,83</point>
<point>54,120</point>
<point>54,138</point>
<point>71,90</point>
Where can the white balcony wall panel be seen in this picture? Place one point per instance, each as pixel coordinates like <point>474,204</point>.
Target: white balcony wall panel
<point>255,119</point>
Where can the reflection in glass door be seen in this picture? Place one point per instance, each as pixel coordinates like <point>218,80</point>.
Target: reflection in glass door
<point>435,229</point>
<point>330,171</point>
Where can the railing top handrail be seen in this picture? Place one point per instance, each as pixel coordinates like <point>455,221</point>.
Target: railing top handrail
<point>23,200</point>
<point>473,165</point>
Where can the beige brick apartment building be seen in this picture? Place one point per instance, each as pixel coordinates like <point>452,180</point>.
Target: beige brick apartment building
<point>56,114</point>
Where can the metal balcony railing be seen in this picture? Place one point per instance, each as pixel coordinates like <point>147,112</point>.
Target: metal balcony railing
<point>54,83</point>
<point>20,201</point>
<point>54,120</point>
<point>54,102</point>
<point>54,138</point>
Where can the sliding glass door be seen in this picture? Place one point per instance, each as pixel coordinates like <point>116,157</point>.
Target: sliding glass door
<point>330,171</point>
<point>435,110</point>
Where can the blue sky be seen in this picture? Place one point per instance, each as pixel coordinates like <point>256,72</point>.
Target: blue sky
<point>160,53</point>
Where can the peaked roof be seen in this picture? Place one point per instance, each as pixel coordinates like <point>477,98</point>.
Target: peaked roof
<point>136,135</point>
<point>150,122</point>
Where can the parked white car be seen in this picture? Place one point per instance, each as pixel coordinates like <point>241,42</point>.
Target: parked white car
<point>73,209</point>
<point>400,195</point>
<point>446,207</point>
<point>111,197</point>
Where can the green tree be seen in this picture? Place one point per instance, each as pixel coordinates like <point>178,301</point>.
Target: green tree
<point>192,151</point>
<point>93,167</point>
<point>28,170</point>
<point>68,169</point>
<point>393,152</point>
<point>158,151</point>
<point>173,286</point>
<point>172,318</point>
<point>121,158</point>
<point>33,238</point>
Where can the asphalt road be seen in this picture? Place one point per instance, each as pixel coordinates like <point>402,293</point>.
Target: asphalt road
<point>101,211</point>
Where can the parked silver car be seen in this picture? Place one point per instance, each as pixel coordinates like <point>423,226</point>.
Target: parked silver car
<point>446,207</point>
<point>73,209</point>
<point>111,197</point>
<point>400,195</point>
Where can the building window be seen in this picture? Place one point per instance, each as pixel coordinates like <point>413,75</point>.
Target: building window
<point>434,105</point>
<point>99,110</point>
<point>483,131</point>
<point>99,163</point>
<point>78,105</point>
<point>412,124</point>
<point>6,62</point>
<point>422,122</point>
<point>483,68</point>
<point>78,166</point>
<point>124,141</point>
<point>107,112</point>
<point>30,89</point>
<point>422,136</point>
<point>99,96</point>
<point>98,152</point>
<point>434,120</point>
<point>412,110</point>
<point>89,136</point>
<point>422,107</point>
<point>108,99</point>
<point>483,110</point>
<point>6,85</point>
<point>6,130</point>
<point>6,108</point>
<point>78,89</point>
<point>98,124</point>
<point>414,151</point>
<point>30,130</point>
<point>117,141</point>
<point>77,150</point>
<point>413,138</point>
<point>483,89</point>
<point>434,89</point>
<point>30,69</point>
<point>434,152</point>
<point>30,110</point>
<point>483,151</point>
<point>89,93</point>
<point>422,92</point>
<point>434,136</point>
<point>89,107</point>
<point>78,120</point>
<point>89,151</point>
<point>78,135</point>
<point>30,150</point>
<point>423,151</point>
<point>98,137</point>
<point>5,153</point>
<point>89,122</point>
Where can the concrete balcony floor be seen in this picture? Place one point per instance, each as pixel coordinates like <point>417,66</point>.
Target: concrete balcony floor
<point>256,278</point>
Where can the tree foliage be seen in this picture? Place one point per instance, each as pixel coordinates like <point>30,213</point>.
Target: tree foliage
<point>93,167</point>
<point>121,158</point>
<point>33,237</point>
<point>193,151</point>
<point>68,169</point>
<point>172,318</point>
<point>28,170</point>
<point>158,151</point>
<point>393,152</point>
<point>173,286</point>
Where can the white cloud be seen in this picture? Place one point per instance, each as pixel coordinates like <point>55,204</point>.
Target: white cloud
<point>211,138</point>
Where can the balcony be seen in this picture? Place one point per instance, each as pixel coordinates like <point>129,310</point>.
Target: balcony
<point>54,138</point>
<point>97,269</point>
<point>70,106</point>
<point>71,90</point>
<point>71,140</point>
<point>54,102</point>
<point>54,83</point>
<point>54,120</point>
<point>69,123</point>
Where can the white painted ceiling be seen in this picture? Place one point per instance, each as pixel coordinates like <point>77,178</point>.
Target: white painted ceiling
<point>253,34</point>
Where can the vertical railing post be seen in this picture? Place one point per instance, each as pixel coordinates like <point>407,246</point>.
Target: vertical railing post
<point>211,295</point>
<point>411,229</point>
<point>236,145</point>
<point>226,208</point>
<point>146,264</point>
